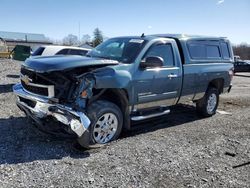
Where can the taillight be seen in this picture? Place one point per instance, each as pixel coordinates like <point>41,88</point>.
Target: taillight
<point>231,73</point>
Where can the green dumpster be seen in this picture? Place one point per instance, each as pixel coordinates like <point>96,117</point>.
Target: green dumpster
<point>21,52</point>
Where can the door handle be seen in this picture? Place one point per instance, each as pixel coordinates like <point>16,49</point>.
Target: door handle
<point>172,76</point>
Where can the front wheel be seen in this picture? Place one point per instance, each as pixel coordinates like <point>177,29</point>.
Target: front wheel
<point>106,122</point>
<point>207,106</point>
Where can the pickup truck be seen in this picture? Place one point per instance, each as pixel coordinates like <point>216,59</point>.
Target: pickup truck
<point>123,80</point>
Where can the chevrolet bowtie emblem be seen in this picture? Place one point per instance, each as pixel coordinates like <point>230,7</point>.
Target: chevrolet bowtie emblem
<point>26,79</point>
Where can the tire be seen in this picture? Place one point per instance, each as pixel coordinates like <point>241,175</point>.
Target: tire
<point>106,119</point>
<point>207,106</point>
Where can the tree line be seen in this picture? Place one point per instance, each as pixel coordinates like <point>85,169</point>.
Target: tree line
<point>73,40</point>
<point>242,50</point>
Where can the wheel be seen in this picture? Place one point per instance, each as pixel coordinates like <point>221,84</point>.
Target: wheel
<point>106,123</point>
<point>207,106</point>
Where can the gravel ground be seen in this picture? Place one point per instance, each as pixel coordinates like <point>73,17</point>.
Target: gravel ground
<point>178,150</point>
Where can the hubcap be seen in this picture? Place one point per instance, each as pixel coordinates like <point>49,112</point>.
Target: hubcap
<point>211,103</point>
<point>105,128</point>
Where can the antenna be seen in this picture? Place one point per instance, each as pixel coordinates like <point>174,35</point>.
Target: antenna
<point>142,35</point>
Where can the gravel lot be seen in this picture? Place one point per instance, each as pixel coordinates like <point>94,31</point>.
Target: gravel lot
<point>178,150</point>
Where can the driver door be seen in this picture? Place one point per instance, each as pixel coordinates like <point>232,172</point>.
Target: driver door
<point>158,86</point>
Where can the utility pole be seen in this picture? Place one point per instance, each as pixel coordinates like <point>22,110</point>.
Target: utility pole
<point>79,31</point>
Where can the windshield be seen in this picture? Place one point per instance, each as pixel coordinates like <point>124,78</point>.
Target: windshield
<point>124,50</point>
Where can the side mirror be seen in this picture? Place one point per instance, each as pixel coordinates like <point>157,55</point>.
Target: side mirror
<point>152,62</point>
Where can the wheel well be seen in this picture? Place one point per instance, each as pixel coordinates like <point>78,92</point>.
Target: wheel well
<point>120,98</point>
<point>116,96</point>
<point>218,84</point>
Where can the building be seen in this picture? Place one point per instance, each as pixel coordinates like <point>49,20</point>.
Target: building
<point>28,39</point>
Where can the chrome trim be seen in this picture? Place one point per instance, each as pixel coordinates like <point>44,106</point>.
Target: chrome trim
<point>159,103</point>
<point>41,110</point>
<point>146,96</point>
<point>168,93</point>
<point>139,118</point>
<point>154,95</point>
<point>20,91</point>
<point>172,76</point>
<point>27,81</point>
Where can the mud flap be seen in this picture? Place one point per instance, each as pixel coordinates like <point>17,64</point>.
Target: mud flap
<point>84,140</point>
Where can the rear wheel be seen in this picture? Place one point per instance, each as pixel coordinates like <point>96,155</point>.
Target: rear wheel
<point>207,106</point>
<point>106,122</point>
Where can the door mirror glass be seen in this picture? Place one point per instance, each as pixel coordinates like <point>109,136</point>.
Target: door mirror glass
<point>151,62</point>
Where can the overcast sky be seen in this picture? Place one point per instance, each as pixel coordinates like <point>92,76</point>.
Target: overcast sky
<point>58,18</point>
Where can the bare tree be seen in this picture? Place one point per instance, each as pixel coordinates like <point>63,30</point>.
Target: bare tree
<point>70,40</point>
<point>242,50</point>
<point>86,39</point>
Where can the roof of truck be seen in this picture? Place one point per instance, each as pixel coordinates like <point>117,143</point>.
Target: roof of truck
<point>185,36</point>
<point>176,36</point>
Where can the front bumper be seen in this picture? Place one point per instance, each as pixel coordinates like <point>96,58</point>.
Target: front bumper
<point>38,108</point>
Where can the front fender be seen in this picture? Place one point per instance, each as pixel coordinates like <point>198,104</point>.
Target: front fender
<point>111,78</point>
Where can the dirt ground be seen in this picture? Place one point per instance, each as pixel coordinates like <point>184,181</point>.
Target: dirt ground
<point>177,150</point>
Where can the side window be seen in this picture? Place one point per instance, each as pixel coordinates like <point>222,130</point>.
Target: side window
<point>225,50</point>
<point>38,51</point>
<point>77,52</point>
<point>197,51</point>
<point>202,50</point>
<point>164,51</point>
<point>62,52</point>
<point>213,51</point>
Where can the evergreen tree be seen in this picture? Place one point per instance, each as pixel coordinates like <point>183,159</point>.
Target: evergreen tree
<point>98,37</point>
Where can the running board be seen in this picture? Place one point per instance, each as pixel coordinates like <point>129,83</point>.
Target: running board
<point>139,118</point>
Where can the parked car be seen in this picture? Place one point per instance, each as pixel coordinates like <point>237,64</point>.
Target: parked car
<point>242,66</point>
<point>60,50</point>
<point>124,79</point>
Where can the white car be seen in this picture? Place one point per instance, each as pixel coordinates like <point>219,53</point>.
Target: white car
<point>60,50</point>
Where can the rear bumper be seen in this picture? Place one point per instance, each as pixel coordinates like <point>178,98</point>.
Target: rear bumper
<point>38,108</point>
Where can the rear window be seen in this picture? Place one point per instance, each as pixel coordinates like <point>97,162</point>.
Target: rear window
<point>63,52</point>
<point>225,50</point>
<point>77,52</point>
<point>38,51</point>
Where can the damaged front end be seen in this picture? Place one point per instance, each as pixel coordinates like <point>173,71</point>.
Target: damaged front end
<point>70,113</point>
<point>52,92</point>
<point>39,108</point>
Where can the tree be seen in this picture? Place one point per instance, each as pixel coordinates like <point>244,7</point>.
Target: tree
<point>70,40</point>
<point>98,37</point>
<point>85,39</point>
<point>242,50</point>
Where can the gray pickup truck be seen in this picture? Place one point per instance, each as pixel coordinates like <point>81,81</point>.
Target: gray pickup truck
<point>124,79</point>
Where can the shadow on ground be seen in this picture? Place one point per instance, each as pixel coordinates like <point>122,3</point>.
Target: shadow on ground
<point>180,114</point>
<point>20,142</point>
<point>13,76</point>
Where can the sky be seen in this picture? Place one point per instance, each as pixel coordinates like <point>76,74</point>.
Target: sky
<point>58,18</point>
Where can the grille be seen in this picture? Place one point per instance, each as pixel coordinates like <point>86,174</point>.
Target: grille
<point>57,84</point>
<point>35,90</point>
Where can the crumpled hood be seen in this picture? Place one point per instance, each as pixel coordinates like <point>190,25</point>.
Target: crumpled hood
<point>56,63</point>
